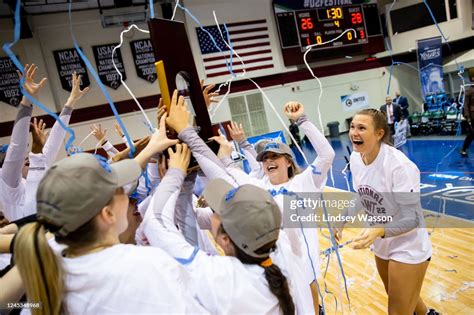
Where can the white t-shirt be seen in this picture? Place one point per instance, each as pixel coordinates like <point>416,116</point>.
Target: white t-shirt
<point>392,172</point>
<point>128,279</point>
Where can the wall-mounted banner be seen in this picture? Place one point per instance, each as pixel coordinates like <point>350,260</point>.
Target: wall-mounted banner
<point>430,64</point>
<point>105,67</point>
<point>9,82</point>
<point>144,60</point>
<point>68,61</point>
<point>355,101</point>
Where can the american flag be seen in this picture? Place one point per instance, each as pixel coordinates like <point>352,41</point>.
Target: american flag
<point>249,39</point>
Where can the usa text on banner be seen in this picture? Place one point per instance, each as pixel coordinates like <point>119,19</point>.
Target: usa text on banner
<point>250,39</point>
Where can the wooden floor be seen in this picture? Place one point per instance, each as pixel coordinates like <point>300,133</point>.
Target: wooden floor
<point>448,285</point>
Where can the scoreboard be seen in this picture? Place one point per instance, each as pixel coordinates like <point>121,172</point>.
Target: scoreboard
<point>302,23</point>
<point>322,25</point>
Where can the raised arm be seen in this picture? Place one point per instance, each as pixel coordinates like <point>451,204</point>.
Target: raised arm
<point>16,153</point>
<point>158,224</point>
<point>56,137</point>
<point>101,137</point>
<point>208,161</point>
<point>237,133</point>
<point>185,217</point>
<point>325,153</point>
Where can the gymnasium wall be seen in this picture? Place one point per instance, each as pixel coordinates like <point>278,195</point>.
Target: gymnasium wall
<point>51,32</point>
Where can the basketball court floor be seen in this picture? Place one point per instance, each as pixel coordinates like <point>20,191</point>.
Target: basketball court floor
<point>447,190</point>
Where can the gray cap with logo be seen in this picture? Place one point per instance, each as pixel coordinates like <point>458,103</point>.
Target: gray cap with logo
<point>249,214</point>
<point>76,188</point>
<point>276,147</point>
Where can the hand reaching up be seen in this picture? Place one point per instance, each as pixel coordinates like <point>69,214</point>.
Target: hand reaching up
<point>225,147</point>
<point>76,92</point>
<point>159,142</point>
<point>30,86</point>
<point>180,158</point>
<point>39,135</point>
<point>236,131</point>
<point>209,97</point>
<point>178,118</point>
<point>118,129</point>
<point>98,133</point>
<point>293,110</point>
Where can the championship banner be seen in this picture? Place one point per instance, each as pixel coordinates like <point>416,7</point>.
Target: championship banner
<point>67,62</point>
<point>142,52</point>
<point>105,67</point>
<point>430,64</point>
<point>9,82</point>
<point>355,101</point>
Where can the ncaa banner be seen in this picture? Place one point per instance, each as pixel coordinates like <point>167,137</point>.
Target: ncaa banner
<point>430,64</point>
<point>355,101</point>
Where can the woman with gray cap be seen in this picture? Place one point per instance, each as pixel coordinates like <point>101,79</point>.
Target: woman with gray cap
<point>83,201</point>
<point>257,275</point>
<point>282,175</point>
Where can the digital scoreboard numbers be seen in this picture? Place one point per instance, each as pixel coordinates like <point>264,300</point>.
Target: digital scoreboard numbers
<point>303,23</point>
<point>323,25</point>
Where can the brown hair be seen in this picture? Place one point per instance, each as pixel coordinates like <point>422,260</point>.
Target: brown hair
<point>380,122</point>
<point>293,170</point>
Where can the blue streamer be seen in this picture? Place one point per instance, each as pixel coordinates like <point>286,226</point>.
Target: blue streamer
<point>284,191</point>
<point>152,10</point>
<point>147,181</point>
<point>102,87</point>
<point>390,79</point>
<point>7,49</point>
<point>185,261</point>
<point>3,148</point>
<point>231,50</point>
<point>336,250</point>
<point>440,31</point>
<point>442,35</point>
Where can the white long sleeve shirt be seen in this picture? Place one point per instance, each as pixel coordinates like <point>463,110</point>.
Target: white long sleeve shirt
<point>223,284</point>
<point>19,194</point>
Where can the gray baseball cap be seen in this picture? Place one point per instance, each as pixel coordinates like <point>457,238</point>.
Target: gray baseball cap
<point>276,147</point>
<point>260,145</point>
<point>249,214</point>
<point>76,188</point>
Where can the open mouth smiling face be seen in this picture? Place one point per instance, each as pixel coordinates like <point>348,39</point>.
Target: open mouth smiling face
<point>274,163</point>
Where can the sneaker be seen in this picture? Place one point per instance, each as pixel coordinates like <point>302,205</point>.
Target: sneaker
<point>321,312</point>
<point>463,154</point>
<point>431,311</point>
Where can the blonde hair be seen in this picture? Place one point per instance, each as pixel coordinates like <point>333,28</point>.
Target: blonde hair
<point>40,269</point>
<point>380,122</point>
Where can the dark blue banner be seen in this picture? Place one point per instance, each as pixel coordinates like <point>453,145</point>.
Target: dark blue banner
<point>430,64</point>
